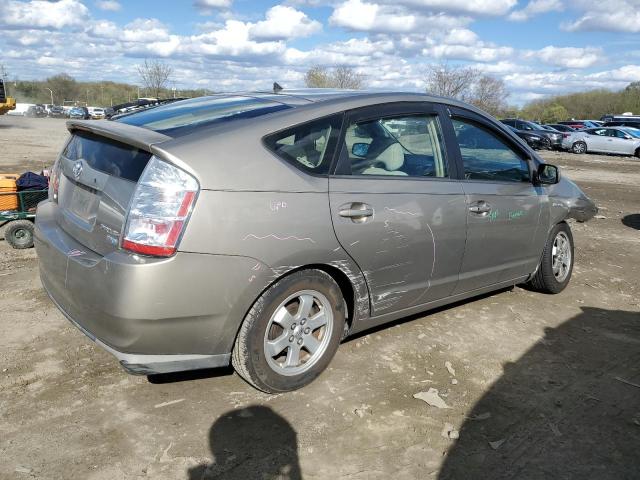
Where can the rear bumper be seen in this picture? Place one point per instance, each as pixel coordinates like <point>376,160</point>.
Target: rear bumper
<point>144,364</point>
<point>154,315</point>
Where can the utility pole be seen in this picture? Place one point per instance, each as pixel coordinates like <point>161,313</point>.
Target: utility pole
<point>51,92</point>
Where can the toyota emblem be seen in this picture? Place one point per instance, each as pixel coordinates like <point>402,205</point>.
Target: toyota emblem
<point>77,169</point>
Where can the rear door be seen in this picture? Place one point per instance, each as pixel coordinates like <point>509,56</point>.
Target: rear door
<point>597,140</point>
<point>396,207</point>
<point>503,207</point>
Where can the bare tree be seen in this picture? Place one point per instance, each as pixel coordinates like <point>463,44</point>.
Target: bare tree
<point>155,76</point>
<point>337,77</point>
<point>490,94</point>
<point>346,77</point>
<point>317,77</point>
<point>450,81</point>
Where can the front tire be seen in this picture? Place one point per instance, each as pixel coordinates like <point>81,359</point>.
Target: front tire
<point>19,234</point>
<point>291,333</point>
<point>579,148</point>
<point>556,266</point>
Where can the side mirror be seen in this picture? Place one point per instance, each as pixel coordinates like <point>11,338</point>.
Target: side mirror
<point>548,174</point>
<point>360,149</point>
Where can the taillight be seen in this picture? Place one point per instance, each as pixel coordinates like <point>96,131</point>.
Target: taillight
<point>160,208</point>
<point>54,181</point>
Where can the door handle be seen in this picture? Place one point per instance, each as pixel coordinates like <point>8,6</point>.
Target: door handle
<point>480,208</point>
<point>358,212</point>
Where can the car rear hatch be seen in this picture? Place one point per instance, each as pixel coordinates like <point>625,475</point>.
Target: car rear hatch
<point>95,179</point>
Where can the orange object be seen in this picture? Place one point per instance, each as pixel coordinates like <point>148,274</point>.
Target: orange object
<point>7,187</point>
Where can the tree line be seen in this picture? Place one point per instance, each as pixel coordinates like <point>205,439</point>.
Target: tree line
<point>468,84</point>
<point>155,77</point>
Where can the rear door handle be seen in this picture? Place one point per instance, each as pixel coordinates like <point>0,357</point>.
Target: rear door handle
<point>480,208</point>
<point>356,211</point>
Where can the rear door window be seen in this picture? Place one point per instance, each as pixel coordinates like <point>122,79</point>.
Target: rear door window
<point>402,146</point>
<point>309,146</point>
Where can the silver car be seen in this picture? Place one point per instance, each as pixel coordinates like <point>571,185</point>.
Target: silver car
<point>618,140</point>
<point>262,229</point>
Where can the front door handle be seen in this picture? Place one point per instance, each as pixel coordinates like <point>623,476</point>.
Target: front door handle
<point>480,208</point>
<point>358,212</point>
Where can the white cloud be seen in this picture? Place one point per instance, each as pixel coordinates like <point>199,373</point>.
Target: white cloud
<point>43,14</point>
<point>108,5</point>
<point>283,23</point>
<point>359,15</point>
<point>207,7</point>
<point>476,53</point>
<point>475,7</point>
<point>612,16</point>
<point>536,7</point>
<point>568,57</point>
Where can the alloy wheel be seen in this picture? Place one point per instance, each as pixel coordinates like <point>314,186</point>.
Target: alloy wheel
<point>561,257</point>
<point>298,332</point>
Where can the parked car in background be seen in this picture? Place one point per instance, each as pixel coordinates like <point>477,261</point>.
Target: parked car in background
<point>57,111</point>
<point>535,141</point>
<point>309,223</point>
<point>579,124</point>
<point>81,113</point>
<point>603,140</point>
<point>561,128</point>
<point>554,138</point>
<point>36,111</point>
<point>97,113</point>
<point>629,122</point>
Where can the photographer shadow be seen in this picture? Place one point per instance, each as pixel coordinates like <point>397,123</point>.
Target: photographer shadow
<point>251,442</point>
<point>568,408</point>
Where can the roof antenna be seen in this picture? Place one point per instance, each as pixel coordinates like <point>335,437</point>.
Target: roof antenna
<point>276,87</point>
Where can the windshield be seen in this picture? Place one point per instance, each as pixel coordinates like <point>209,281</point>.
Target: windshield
<point>634,132</point>
<point>184,116</point>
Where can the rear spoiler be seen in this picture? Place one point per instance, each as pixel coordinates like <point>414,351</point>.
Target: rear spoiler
<point>139,137</point>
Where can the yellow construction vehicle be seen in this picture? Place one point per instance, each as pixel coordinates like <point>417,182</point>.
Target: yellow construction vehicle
<point>6,103</point>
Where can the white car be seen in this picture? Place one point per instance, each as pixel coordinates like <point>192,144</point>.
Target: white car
<point>97,113</point>
<point>620,140</point>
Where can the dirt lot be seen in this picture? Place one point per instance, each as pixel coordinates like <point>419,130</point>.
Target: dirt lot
<point>538,386</point>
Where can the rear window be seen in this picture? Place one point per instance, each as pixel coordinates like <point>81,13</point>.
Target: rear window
<point>108,156</point>
<point>182,117</point>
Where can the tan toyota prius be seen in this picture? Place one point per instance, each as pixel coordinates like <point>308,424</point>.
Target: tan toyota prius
<point>261,229</point>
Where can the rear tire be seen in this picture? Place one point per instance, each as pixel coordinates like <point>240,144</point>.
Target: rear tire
<point>19,234</point>
<point>291,333</point>
<point>579,148</point>
<point>556,266</point>
<point>638,153</point>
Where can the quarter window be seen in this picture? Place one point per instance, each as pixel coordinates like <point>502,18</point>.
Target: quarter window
<point>487,157</point>
<point>308,146</point>
<point>404,146</point>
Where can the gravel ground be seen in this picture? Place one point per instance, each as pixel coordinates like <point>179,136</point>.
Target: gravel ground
<point>536,386</point>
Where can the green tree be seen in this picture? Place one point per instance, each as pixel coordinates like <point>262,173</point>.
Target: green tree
<point>64,87</point>
<point>554,113</point>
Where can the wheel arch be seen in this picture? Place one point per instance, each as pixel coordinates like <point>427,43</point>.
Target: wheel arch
<point>352,287</point>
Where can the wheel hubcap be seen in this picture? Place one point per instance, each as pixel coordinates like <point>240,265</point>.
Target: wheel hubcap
<point>298,332</point>
<point>561,256</point>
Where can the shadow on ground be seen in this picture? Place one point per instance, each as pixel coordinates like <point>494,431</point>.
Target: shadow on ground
<point>568,408</point>
<point>251,442</point>
<point>632,220</point>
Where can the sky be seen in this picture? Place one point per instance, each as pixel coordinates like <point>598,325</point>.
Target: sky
<point>538,47</point>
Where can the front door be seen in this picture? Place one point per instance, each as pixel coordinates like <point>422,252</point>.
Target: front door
<point>503,206</point>
<point>395,208</point>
